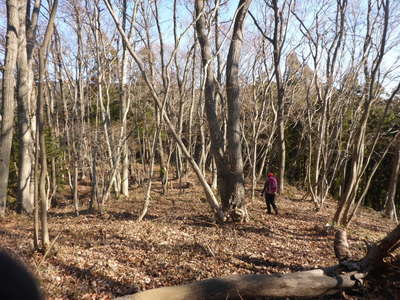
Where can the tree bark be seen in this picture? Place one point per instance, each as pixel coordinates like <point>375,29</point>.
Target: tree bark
<point>24,86</point>
<point>229,164</point>
<point>237,202</point>
<point>8,84</point>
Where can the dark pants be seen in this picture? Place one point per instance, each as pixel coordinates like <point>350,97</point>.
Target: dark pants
<point>270,201</point>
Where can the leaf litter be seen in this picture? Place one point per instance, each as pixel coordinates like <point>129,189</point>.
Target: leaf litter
<point>104,256</point>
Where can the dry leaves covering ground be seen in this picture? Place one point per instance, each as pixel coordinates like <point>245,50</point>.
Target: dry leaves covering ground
<point>100,257</point>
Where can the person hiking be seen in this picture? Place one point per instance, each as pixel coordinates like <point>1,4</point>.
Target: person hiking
<point>269,191</point>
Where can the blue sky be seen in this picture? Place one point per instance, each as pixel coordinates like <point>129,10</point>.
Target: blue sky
<point>185,8</point>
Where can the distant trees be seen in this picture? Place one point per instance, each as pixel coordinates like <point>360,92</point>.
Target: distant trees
<point>160,101</point>
<point>371,57</point>
<point>322,121</point>
<point>275,33</point>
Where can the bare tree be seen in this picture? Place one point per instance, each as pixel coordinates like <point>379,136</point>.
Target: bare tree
<point>260,115</point>
<point>27,35</point>
<point>43,50</point>
<point>351,197</point>
<point>281,17</point>
<point>229,163</point>
<point>7,109</point>
<point>160,104</point>
<point>78,108</point>
<point>323,155</point>
<point>124,94</point>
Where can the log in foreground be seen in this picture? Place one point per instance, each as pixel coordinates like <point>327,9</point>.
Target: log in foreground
<point>347,274</point>
<point>301,284</point>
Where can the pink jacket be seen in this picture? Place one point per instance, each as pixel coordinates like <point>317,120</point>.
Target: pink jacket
<point>271,185</point>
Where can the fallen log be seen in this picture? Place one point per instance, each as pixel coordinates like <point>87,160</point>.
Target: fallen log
<point>302,284</point>
<point>313,283</point>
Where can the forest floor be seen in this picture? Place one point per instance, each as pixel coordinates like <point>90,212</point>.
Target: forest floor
<point>103,256</point>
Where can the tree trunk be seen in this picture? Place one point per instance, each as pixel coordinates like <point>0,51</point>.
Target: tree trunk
<point>42,151</point>
<point>7,109</point>
<point>150,175</point>
<point>36,225</point>
<point>390,208</point>
<point>237,201</point>
<point>25,198</point>
<point>230,164</point>
<point>277,43</point>
<point>75,189</point>
<point>124,92</point>
<point>41,125</point>
<point>161,155</point>
<point>282,146</point>
<point>94,183</point>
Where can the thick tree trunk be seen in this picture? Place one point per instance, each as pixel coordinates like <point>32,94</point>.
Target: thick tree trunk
<point>230,164</point>
<point>237,203</point>
<point>216,135</point>
<point>24,193</point>
<point>7,109</point>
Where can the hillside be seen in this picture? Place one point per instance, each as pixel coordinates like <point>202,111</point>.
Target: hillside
<point>100,257</point>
